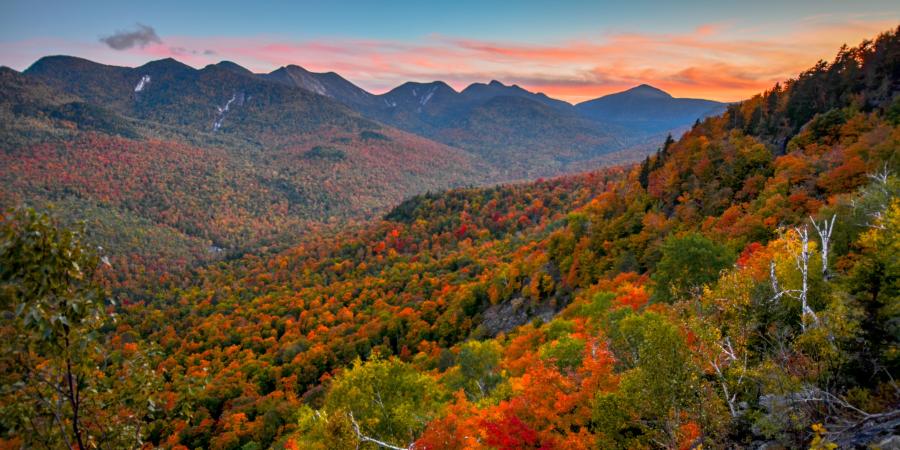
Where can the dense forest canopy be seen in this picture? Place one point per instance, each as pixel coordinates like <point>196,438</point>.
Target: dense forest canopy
<point>739,288</point>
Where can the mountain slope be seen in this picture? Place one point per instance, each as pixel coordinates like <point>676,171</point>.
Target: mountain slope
<point>521,133</point>
<point>528,138</point>
<point>480,92</point>
<point>215,98</point>
<point>674,303</point>
<point>647,109</point>
<point>524,134</point>
<point>262,107</point>
<point>154,159</point>
<point>432,98</point>
<point>328,84</point>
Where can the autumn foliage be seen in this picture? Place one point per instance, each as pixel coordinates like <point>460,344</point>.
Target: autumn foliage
<point>680,302</point>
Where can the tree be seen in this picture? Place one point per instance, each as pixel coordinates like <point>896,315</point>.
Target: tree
<point>657,396</point>
<point>875,280</point>
<point>382,402</point>
<point>687,263</point>
<point>55,391</point>
<point>478,369</point>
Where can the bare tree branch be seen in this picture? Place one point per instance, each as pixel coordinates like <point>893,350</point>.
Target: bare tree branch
<point>364,438</point>
<point>824,230</point>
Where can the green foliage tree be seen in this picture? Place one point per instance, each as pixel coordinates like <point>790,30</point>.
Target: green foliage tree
<point>659,394</point>
<point>478,369</point>
<point>566,352</point>
<point>688,262</point>
<point>380,401</point>
<point>875,280</point>
<point>59,386</point>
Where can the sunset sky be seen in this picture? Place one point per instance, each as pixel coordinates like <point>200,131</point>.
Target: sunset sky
<point>573,50</point>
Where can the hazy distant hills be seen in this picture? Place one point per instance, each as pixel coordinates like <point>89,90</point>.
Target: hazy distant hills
<point>504,131</point>
<point>642,109</point>
<point>166,161</point>
<point>220,97</point>
<point>522,132</point>
<point>647,109</point>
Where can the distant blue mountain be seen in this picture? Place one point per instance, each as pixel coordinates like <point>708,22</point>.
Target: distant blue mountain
<point>648,109</point>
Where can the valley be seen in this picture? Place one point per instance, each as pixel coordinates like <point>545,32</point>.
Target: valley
<point>278,153</point>
<point>217,258</point>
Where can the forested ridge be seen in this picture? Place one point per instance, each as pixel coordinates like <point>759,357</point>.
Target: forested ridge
<point>162,196</point>
<point>737,289</point>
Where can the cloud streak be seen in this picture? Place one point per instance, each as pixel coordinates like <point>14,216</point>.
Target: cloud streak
<point>140,37</point>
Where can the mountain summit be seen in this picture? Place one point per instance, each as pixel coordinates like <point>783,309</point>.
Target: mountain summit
<point>648,109</point>
<point>328,84</point>
<point>645,91</point>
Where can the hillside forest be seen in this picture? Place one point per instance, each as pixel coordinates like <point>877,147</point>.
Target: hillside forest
<point>738,288</point>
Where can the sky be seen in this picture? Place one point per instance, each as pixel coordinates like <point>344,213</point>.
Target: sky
<point>574,50</point>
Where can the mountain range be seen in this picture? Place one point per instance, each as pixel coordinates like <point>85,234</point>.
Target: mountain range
<point>523,134</point>
<point>143,147</point>
<point>498,121</point>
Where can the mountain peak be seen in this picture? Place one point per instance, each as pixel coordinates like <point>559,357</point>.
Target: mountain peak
<point>645,90</point>
<point>59,58</point>
<point>648,109</point>
<point>60,62</point>
<point>165,64</point>
<point>418,85</point>
<point>234,67</point>
<point>496,83</point>
<point>293,68</point>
